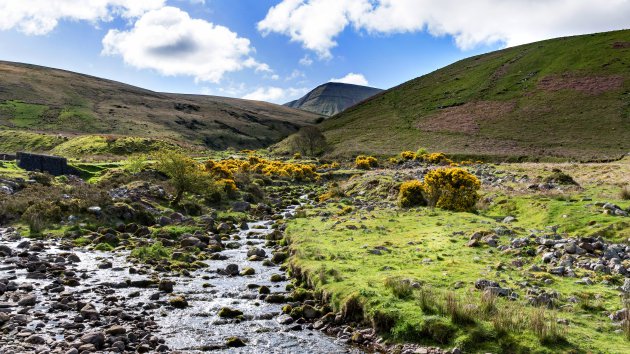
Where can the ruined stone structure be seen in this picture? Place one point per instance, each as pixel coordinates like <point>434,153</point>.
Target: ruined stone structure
<point>54,165</point>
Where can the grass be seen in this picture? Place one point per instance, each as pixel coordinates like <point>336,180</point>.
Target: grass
<point>89,145</point>
<point>153,252</point>
<point>532,122</point>
<point>12,141</point>
<point>425,247</point>
<point>20,114</point>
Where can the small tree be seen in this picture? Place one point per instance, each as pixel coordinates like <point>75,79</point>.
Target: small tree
<point>309,141</point>
<point>185,174</point>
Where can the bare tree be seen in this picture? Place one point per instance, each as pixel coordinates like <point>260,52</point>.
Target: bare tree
<point>309,141</point>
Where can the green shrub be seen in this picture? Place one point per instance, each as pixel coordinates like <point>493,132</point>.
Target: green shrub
<point>41,214</point>
<point>411,194</point>
<point>451,189</point>
<point>401,288</point>
<point>559,177</point>
<point>625,193</point>
<point>135,163</point>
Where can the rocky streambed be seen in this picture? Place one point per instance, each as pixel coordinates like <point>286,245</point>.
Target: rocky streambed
<point>58,299</point>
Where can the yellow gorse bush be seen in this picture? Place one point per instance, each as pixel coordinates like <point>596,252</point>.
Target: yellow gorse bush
<point>411,194</point>
<point>226,169</point>
<point>366,162</point>
<point>408,155</point>
<point>451,188</point>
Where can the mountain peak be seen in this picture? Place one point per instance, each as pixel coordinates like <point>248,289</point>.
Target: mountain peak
<point>333,97</point>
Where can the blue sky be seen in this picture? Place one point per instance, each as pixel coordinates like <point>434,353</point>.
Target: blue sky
<point>278,50</point>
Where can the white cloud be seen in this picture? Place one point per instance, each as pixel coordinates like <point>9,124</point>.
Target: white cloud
<point>316,23</point>
<point>295,74</point>
<point>306,61</point>
<point>38,17</point>
<point>171,42</point>
<point>352,78</point>
<point>276,94</point>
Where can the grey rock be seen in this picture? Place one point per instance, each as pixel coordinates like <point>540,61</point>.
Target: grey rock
<point>28,300</point>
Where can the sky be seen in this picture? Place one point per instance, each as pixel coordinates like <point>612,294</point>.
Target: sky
<point>279,50</point>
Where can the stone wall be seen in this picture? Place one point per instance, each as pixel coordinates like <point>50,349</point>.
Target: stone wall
<point>54,165</point>
<point>7,157</point>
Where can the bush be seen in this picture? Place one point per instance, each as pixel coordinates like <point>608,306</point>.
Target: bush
<point>366,162</point>
<point>559,177</point>
<point>154,252</point>
<point>184,173</point>
<point>438,329</point>
<point>451,189</point>
<point>437,158</point>
<point>408,155</point>
<point>41,214</point>
<point>135,163</point>
<point>411,194</point>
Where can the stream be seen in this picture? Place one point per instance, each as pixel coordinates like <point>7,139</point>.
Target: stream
<point>69,300</point>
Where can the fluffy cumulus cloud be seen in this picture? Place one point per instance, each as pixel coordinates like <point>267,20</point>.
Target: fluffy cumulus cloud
<point>316,23</point>
<point>38,17</point>
<point>352,78</point>
<point>170,41</point>
<point>276,94</point>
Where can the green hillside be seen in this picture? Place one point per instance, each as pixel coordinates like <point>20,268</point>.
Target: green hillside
<point>45,100</point>
<point>566,97</point>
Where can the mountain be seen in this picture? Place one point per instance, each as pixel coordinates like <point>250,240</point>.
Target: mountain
<point>333,97</point>
<point>35,98</point>
<point>565,97</point>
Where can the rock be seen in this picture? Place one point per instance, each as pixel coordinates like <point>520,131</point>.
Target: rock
<point>35,339</point>
<point>96,210</point>
<point>241,206</point>
<point>178,302</point>
<point>232,269</point>
<point>73,351</point>
<point>255,251</point>
<point>105,265</point>
<point>275,298</point>
<point>28,300</point>
<point>89,312</point>
<point>482,284</point>
<point>309,312</point>
<point>166,285</point>
<point>557,270</point>
<point>116,330</point>
<point>619,315</point>
<point>227,312</point>
<point>509,219</point>
<point>164,220</point>
<point>248,271</point>
<point>87,348</point>
<point>279,257</point>
<point>276,278</point>
<point>625,288</point>
<point>95,338</point>
<point>264,290</point>
<point>190,241</point>
<point>284,319</point>
<point>234,342</point>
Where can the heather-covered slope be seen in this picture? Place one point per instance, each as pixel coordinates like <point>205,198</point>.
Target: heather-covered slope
<point>566,97</point>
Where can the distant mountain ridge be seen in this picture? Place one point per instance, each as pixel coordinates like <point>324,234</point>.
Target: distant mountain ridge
<point>40,99</point>
<point>333,97</point>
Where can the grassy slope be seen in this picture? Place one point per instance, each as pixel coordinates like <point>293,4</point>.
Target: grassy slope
<point>35,98</point>
<point>338,261</point>
<point>534,121</point>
